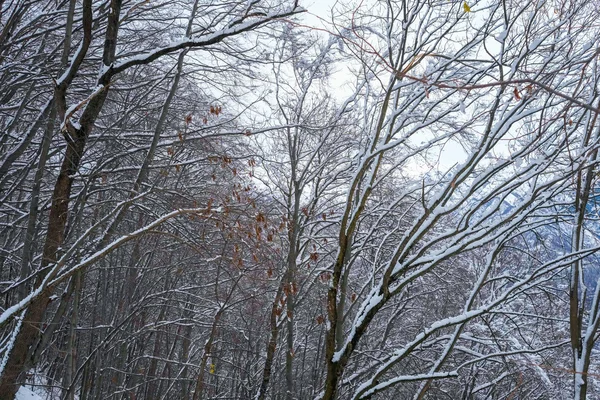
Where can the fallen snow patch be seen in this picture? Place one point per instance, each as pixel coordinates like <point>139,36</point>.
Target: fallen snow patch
<point>26,394</point>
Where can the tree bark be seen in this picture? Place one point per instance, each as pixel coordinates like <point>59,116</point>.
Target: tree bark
<point>17,361</point>
<point>206,355</point>
<point>271,347</point>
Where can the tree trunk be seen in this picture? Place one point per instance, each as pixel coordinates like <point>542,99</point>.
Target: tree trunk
<point>206,355</point>
<point>76,138</point>
<point>17,361</point>
<point>271,346</point>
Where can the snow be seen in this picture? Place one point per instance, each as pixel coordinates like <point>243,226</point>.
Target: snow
<point>518,162</point>
<point>534,45</point>
<point>374,299</point>
<point>502,36</point>
<point>65,74</point>
<point>8,348</point>
<point>208,39</point>
<point>26,394</point>
<point>513,65</point>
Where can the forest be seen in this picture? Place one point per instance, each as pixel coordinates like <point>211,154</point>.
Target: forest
<point>289,200</point>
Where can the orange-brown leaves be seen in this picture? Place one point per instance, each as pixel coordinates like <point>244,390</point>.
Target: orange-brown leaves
<point>215,110</point>
<point>290,289</point>
<point>517,95</point>
<point>325,276</point>
<point>258,231</point>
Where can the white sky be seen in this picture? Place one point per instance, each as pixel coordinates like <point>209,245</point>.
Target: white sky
<point>319,16</point>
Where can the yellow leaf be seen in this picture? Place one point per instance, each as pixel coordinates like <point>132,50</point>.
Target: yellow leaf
<point>466,7</point>
<point>212,368</point>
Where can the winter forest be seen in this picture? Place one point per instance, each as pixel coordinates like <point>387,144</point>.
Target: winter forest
<point>283,199</point>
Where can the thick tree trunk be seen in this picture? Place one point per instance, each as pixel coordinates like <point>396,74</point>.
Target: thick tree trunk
<point>331,380</point>
<point>582,344</point>
<point>17,361</point>
<point>289,354</point>
<point>271,347</point>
